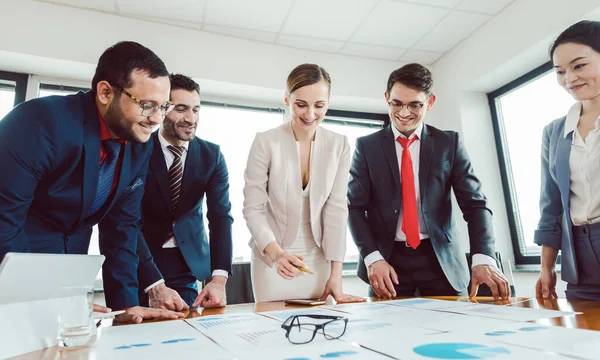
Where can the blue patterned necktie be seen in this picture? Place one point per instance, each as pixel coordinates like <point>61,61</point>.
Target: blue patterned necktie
<point>107,174</point>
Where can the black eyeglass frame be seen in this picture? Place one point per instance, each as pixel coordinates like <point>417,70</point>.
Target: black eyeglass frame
<point>288,324</point>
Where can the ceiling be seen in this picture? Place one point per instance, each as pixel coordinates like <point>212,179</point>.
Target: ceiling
<point>394,30</point>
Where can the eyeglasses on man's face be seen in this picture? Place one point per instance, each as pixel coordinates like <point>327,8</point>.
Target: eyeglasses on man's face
<point>301,329</point>
<point>149,108</point>
<point>413,106</point>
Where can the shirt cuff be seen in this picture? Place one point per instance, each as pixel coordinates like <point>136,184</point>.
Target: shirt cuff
<point>153,285</point>
<point>482,259</point>
<point>372,257</point>
<point>220,273</point>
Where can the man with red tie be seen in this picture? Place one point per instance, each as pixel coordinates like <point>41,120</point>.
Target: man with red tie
<point>399,200</point>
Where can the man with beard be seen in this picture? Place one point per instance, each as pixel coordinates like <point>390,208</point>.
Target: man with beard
<point>183,169</point>
<point>400,213</point>
<point>72,162</point>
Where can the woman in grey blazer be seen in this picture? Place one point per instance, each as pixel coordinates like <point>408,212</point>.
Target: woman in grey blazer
<point>570,187</point>
<point>295,198</point>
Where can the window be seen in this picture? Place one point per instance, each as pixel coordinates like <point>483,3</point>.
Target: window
<point>7,97</point>
<point>353,130</point>
<point>520,111</point>
<point>234,128</point>
<point>12,91</point>
<point>48,90</point>
<point>61,90</point>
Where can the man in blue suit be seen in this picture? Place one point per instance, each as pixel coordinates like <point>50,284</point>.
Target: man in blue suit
<point>72,162</point>
<point>183,169</point>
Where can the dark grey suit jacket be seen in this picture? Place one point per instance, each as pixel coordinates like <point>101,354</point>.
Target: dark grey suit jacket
<point>555,226</point>
<point>375,200</point>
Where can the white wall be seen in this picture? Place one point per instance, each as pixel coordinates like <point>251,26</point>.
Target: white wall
<point>58,41</point>
<point>508,46</point>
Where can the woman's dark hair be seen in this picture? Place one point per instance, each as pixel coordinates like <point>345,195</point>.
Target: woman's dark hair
<point>585,32</point>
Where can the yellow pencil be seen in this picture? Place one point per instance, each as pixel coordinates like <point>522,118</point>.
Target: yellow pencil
<point>303,269</point>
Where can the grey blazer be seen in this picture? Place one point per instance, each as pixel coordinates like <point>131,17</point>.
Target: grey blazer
<point>375,199</point>
<point>555,227</point>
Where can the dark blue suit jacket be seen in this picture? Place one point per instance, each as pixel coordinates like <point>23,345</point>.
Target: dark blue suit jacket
<point>50,161</point>
<point>375,200</point>
<point>205,172</point>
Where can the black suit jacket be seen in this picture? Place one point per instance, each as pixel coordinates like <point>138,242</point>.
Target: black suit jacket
<point>205,172</point>
<point>50,163</point>
<point>375,199</point>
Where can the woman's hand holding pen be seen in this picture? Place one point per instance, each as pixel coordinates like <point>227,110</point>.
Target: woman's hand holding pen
<point>287,264</point>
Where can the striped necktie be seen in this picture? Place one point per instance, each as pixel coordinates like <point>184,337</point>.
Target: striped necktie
<point>175,175</point>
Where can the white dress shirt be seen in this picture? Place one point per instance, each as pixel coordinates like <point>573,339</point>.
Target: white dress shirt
<point>415,154</point>
<point>584,165</point>
<point>169,158</point>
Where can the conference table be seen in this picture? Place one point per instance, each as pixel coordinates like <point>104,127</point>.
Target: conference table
<point>589,319</point>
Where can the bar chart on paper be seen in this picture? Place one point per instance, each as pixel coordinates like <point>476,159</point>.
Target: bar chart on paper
<point>257,337</point>
<point>226,321</point>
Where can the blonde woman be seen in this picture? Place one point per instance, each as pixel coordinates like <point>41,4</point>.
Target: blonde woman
<point>295,198</point>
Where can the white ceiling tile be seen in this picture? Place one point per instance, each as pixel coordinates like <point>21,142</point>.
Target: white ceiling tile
<point>451,30</point>
<point>439,3</point>
<point>301,42</point>
<point>372,51</point>
<point>242,33</point>
<point>263,15</point>
<point>484,6</point>
<point>101,5</point>
<point>332,19</point>
<point>184,10</point>
<point>397,24</point>
<point>421,57</point>
<point>186,24</point>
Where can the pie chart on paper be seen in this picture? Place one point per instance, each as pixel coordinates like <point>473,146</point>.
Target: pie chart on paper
<point>459,351</point>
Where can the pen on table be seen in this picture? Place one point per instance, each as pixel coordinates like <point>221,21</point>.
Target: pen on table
<point>99,315</point>
<point>303,269</point>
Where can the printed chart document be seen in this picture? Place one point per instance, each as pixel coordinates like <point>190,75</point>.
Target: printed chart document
<point>437,320</point>
<point>457,346</point>
<point>160,340</point>
<point>512,313</point>
<point>242,332</point>
<point>374,308</point>
<point>318,349</point>
<point>377,332</point>
<point>432,304</point>
<point>282,315</point>
<point>577,343</point>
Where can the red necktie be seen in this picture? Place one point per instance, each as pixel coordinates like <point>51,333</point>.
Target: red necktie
<point>410,217</point>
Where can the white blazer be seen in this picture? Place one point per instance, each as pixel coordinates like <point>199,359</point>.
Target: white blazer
<point>273,191</point>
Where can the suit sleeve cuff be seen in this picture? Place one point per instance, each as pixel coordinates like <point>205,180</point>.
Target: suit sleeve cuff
<point>372,257</point>
<point>219,272</point>
<point>550,238</point>
<point>161,281</point>
<point>482,259</point>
